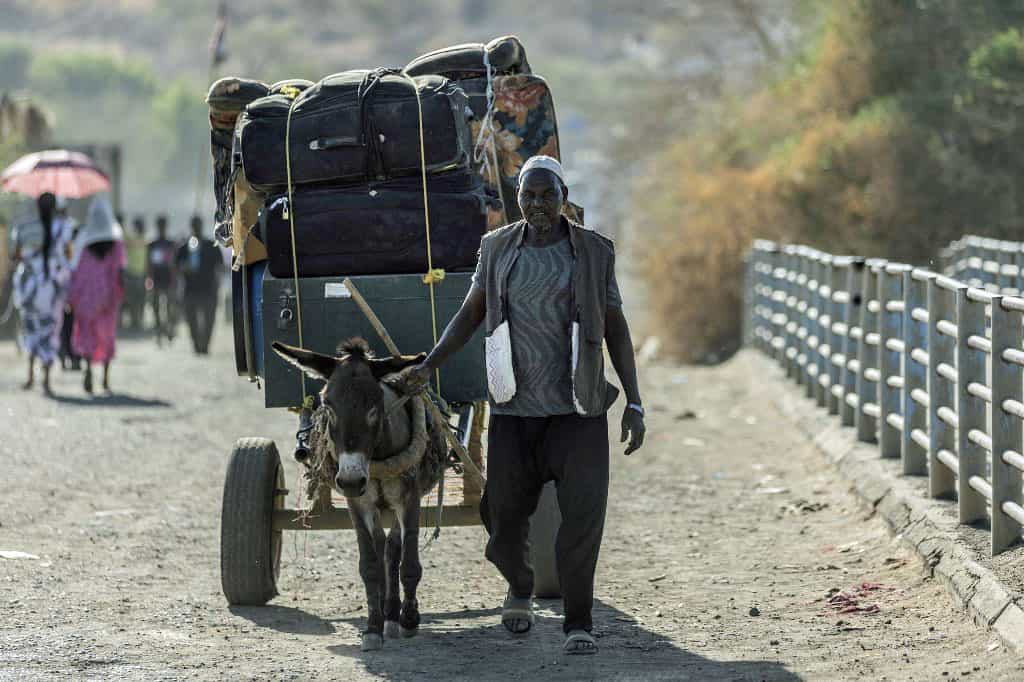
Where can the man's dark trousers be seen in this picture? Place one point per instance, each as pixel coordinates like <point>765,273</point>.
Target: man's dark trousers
<point>201,313</point>
<point>523,453</point>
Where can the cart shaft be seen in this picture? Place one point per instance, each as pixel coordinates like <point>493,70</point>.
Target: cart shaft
<point>337,518</point>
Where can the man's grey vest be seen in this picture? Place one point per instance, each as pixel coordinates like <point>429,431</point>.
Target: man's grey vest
<point>595,265</point>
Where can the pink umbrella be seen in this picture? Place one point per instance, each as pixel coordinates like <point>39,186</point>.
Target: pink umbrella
<point>59,171</point>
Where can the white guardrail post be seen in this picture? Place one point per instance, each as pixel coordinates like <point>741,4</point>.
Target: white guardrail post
<point>1018,262</point>
<point>824,305</point>
<point>813,314</point>
<point>990,265</point>
<point>1004,420</point>
<point>837,331</point>
<point>778,306</point>
<point>780,287</point>
<point>849,407</point>
<point>915,439</point>
<point>868,376</point>
<point>789,352</point>
<point>891,347</point>
<point>973,442</point>
<point>1005,275</point>
<point>941,392</point>
<point>972,272</point>
<point>803,321</point>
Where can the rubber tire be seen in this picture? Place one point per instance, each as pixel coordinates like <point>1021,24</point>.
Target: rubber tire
<point>543,531</point>
<point>250,548</point>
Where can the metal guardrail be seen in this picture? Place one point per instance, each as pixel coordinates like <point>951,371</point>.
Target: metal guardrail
<point>929,366</point>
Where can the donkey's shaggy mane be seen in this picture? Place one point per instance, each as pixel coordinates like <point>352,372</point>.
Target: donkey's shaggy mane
<point>356,347</point>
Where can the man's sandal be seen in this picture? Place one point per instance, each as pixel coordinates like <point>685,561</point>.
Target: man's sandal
<point>515,612</point>
<point>579,643</point>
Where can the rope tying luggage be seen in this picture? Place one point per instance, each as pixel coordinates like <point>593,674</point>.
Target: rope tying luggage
<point>307,400</point>
<point>432,275</point>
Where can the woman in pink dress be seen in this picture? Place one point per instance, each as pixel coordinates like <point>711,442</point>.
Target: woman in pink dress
<point>97,289</point>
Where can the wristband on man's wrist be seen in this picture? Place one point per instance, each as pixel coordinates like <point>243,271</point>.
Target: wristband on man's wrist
<point>638,407</point>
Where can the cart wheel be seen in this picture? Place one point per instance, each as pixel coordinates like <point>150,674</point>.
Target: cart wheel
<point>250,548</point>
<point>543,530</point>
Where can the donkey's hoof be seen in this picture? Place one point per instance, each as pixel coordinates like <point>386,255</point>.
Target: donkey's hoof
<point>410,632</point>
<point>372,642</point>
<point>392,630</point>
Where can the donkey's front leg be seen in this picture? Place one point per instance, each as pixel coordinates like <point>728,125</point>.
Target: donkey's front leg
<point>411,570</point>
<point>370,535</point>
<point>392,596</point>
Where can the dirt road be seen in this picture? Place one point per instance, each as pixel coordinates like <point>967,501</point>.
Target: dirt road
<point>727,535</point>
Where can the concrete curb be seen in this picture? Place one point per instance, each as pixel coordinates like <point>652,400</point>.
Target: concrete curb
<point>920,523</point>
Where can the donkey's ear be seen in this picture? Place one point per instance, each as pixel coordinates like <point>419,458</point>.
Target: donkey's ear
<point>314,364</point>
<point>381,367</point>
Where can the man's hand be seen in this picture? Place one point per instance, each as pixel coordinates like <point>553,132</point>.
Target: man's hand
<point>633,429</point>
<point>414,379</point>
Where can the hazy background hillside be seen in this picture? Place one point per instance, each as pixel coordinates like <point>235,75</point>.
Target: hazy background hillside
<point>624,74</point>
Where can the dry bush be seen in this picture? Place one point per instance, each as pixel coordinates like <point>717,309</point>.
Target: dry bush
<point>876,144</point>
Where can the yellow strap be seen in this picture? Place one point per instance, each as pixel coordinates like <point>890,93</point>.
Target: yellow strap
<point>291,224</point>
<point>432,275</point>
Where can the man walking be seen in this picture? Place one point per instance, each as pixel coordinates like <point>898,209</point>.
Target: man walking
<point>160,280</point>
<point>200,263</point>
<point>135,273</point>
<point>546,289</point>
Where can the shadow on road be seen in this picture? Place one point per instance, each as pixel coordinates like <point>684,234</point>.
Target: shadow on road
<point>111,400</point>
<point>284,619</point>
<point>450,646</point>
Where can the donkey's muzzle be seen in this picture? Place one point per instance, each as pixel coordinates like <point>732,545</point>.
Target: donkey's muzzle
<point>352,487</point>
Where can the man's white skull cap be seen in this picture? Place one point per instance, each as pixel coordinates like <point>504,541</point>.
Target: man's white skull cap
<point>545,162</point>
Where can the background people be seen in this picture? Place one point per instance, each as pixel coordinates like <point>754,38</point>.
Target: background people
<point>200,264</point>
<point>161,282</point>
<point>66,354</point>
<point>97,289</point>
<point>40,285</point>
<point>135,273</point>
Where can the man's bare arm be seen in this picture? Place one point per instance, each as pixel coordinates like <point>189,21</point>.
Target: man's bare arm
<point>620,348</point>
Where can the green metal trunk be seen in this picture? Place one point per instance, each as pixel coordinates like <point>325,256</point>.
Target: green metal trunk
<point>329,315</point>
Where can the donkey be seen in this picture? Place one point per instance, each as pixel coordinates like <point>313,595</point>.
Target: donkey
<point>363,432</point>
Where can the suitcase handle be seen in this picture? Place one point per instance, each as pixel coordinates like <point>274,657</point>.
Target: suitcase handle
<point>323,143</point>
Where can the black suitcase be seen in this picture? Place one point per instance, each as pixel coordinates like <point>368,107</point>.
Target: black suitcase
<point>506,55</point>
<point>355,127</point>
<point>377,228</point>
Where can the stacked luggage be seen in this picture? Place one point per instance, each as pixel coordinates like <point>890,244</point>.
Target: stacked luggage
<point>351,148</point>
<point>514,114</point>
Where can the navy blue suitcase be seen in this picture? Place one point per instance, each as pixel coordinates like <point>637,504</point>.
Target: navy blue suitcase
<point>377,228</point>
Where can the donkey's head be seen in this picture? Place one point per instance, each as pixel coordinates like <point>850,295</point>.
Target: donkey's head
<point>354,394</point>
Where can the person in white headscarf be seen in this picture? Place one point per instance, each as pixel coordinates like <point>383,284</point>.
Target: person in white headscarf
<point>97,289</point>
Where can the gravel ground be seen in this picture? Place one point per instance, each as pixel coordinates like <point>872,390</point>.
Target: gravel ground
<point>730,548</point>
